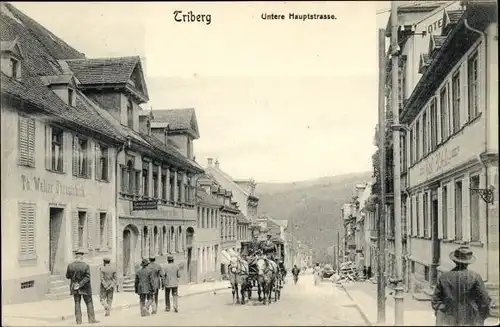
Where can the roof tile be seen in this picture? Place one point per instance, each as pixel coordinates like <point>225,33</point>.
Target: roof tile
<point>103,70</point>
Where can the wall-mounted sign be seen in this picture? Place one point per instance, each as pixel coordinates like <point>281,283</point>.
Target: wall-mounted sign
<point>431,28</point>
<point>38,184</point>
<point>439,160</point>
<point>145,205</point>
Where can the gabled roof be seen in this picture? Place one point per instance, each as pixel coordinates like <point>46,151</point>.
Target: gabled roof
<point>409,13</point>
<point>110,71</point>
<point>12,47</point>
<point>53,45</point>
<point>204,198</point>
<point>59,79</point>
<point>178,120</point>
<point>231,180</point>
<point>435,43</point>
<point>450,19</point>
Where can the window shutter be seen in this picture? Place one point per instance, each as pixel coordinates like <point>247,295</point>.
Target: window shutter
<point>440,212</point>
<point>98,242</point>
<point>465,208</point>
<point>90,159</point>
<point>31,142</point>
<point>109,229</point>
<point>108,164</point>
<point>23,141</point>
<point>48,147</point>
<point>98,174</point>
<point>75,155</point>
<point>414,215</point>
<point>74,229</point>
<point>90,230</point>
<point>27,244</point>
<point>451,210</point>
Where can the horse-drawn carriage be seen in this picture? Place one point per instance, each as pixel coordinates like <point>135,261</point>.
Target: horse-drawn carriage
<point>262,270</point>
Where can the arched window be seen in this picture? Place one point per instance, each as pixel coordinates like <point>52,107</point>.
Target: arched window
<point>162,240</point>
<point>155,241</point>
<point>180,239</point>
<point>131,177</point>
<point>172,239</point>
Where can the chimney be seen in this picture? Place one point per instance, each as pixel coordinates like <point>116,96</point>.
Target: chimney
<point>210,162</point>
<point>217,163</point>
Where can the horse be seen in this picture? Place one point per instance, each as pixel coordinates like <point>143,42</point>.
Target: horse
<point>238,277</point>
<point>266,277</point>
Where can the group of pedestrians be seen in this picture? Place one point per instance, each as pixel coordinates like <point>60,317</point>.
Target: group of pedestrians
<point>149,279</point>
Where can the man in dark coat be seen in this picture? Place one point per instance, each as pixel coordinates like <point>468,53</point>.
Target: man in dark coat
<point>78,273</point>
<point>253,246</point>
<point>144,287</point>
<point>171,283</point>
<point>460,297</point>
<point>108,284</point>
<point>269,248</point>
<point>295,273</point>
<point>156,274</point>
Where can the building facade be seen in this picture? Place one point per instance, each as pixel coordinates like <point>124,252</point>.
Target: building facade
<point>449,155</point>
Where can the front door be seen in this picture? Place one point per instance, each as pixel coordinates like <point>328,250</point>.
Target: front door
<point>56,250</point>
<point>189,253</point>
<point>436,246</point>
<point>126,252</point>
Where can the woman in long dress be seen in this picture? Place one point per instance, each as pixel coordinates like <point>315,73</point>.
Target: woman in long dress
<point>317,273</point>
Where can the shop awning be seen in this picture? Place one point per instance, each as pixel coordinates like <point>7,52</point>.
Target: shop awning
<point>225,257</point>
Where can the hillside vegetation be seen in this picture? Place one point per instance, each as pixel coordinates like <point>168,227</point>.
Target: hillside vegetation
<point>313,206</point>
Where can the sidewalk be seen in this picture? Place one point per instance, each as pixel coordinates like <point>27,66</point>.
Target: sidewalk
<point>416,313</point>
<point>57,310</point>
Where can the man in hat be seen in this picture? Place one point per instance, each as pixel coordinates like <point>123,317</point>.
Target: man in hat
<point>144,287</point>
<point>156,275</point>
<point>108,284</point>
<point>269,248</point>
<point>460,297</point>
<point>78,273</point>
<point>253,246</point>
<point>171,283</point>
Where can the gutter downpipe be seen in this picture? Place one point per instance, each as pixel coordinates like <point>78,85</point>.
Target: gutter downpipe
<point>483,36</point>
<point>121,149</point>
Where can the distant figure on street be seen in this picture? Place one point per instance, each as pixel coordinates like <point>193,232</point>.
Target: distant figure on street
<point>460,297</point>
<point>157,273</point>
<point>317,273</point>
<point>108,284</point>
<point>171,283</point>
<point>78,273</point>
<point>144,287</point>
<point>295,273</point>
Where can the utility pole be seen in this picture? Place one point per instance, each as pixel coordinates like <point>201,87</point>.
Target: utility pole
<point>338,251</point>
<point>381,205</point>
<point>398,290</point>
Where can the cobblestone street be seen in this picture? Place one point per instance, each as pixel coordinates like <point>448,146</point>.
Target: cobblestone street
<point>303,304</point>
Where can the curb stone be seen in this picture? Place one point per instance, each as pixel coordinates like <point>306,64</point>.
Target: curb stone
<point>356,305</point>
<point>115,308</point>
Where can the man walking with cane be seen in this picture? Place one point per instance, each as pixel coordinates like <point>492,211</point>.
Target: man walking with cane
<point>108,284</point>
<point>156,274</point>
<point>144,287</point>
<point>171,283</point>
<point>78,273</point>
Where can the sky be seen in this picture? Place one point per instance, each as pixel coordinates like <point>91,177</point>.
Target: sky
<point>276,100</point>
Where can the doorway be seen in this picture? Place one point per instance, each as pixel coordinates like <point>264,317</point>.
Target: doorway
<point>130,237</point>
<point>188,264</point>
<point>436,245</point>
<point>56,248</point>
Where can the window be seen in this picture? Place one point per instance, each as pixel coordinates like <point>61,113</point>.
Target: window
<point>129,178</point>
<point>412,146</point>
<point>474,209</point>
<point>417,200</point>
<point>443,98</point>
<point>27,212</point>
<point>179,188</point>
<point>164,185</point>
<point>444,213</point>
<point>456,101</point>
<point>473,81</point>
<point>155,182</point>
<point>417,141</point>
<point>136,188</point>
<point>172,187</point>
<point>82,217</point>
<point>145,182</point>
<point>102,163</point>
<point>26,141</point>
<point>424,133</point>
<point>426,214</point>
<point>80,157</point>
<point>458,210</point>
<point>189,148</point>
<point>56,149</point>
<point>14,63</point>
<point>403,152</point>
<point>71,95</point>
<point>130,114</point>
<point>103,230</point>
<point>433,122</point>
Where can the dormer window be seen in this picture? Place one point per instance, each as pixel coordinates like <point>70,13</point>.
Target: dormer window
<point>71,97</point>
<point>14,64</point>
<point>130,114</point>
